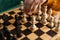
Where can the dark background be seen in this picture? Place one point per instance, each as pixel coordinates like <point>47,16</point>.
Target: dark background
<point>8,4</point>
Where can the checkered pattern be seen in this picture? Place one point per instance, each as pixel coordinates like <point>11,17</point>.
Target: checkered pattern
<point>13,28</point>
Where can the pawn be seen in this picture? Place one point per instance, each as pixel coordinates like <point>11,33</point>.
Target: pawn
<point>22,5</point>
<point>33,21</point>
<point>50,14</point>
<point>50,11</point>
<point>51,23</point>
<point>24,17</point>
<point>1,35</point>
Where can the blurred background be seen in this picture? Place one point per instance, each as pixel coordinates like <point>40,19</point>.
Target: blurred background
<point>8,4</point>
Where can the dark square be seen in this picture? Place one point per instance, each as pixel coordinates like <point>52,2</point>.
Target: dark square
<point>29,18</point>
<point>11,38</point>
<point>39,25</point>
<point>11,12</point>
<point>19,9</point>
<point>28,24</point>
<point>20,13</point>
<point>39,32</point>
<point>18,17</point>
<point>25,38</point>
<point>19,35</point>
<point>6,23</point>
<point>51,33</point>
<point>15,24</point>
<point>19,32</point>
<point>39,39</point>
<point>10,17</point>
<point>27,32</point>
<point>13,31</point>
<point>6,17</point>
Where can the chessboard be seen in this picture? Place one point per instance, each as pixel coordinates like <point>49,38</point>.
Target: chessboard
<point>13,28</point>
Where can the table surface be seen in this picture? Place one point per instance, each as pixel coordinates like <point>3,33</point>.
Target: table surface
<point>40,33</point>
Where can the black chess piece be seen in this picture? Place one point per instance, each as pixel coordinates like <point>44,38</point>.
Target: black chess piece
<point>11,38</point>
<point>18,27</point>
<point>6,17</point>
<point>20,13</point>
<point>19,33</point>
<point>6,32</point>
<point>1,35</point>
<point>12,12</point>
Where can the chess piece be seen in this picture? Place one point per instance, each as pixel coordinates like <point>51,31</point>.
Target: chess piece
<point>39,12</point>
<point>33,22</point>
<point>18,27</point>
<point>50,14</point>
<point>44,17</point>
<point>50,11</point>
<point>24,17</point>
<point>51,23</point>
<point>22,5</point>
<point>1,35</point>
<point>51,18</point>
<point>1,26</point>
<point>6,32</point>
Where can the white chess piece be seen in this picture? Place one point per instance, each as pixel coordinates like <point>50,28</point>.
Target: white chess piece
<point>34,22</point>
<point>24,17</point>
<point>22,5</point>
<point>51,18</point>
<point>44,17</point>
<point>50,14</point>
<point>50,11</point>
<point>52,22</point>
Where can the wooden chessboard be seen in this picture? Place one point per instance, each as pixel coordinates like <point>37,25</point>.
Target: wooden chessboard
<point>16,26</point>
